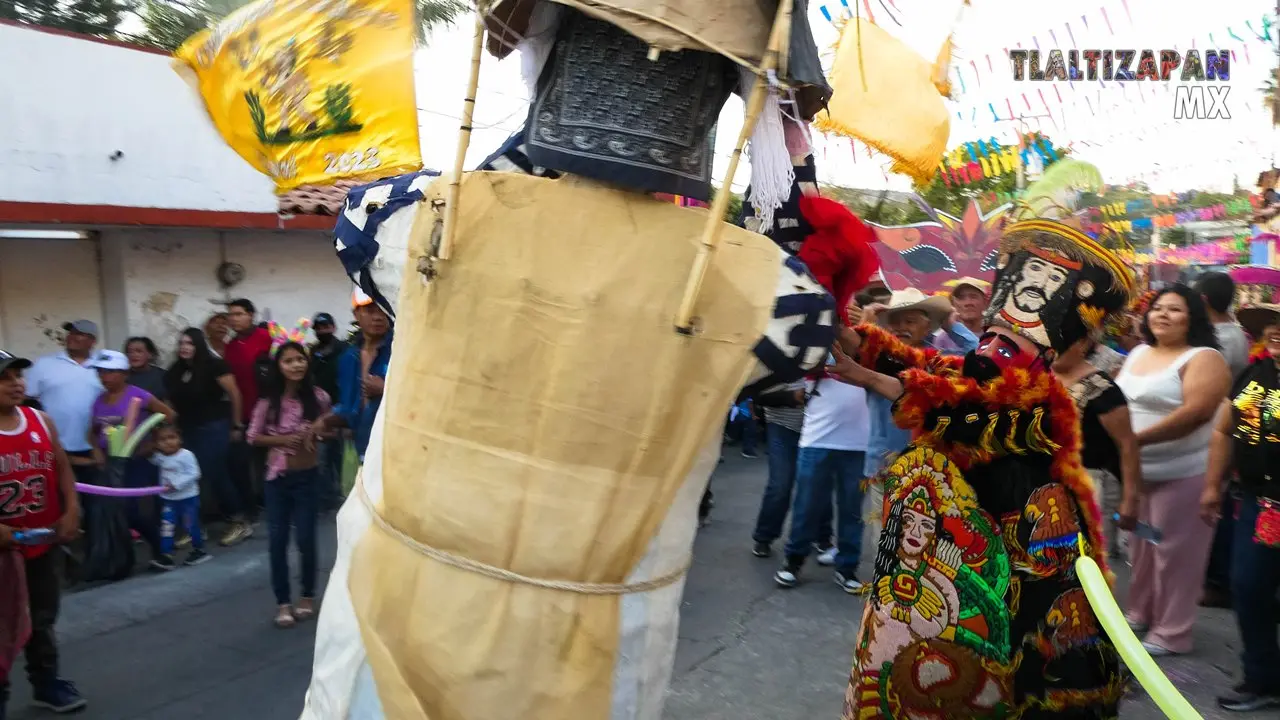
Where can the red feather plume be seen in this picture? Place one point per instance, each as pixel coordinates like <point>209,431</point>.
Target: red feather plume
<point>839,252</point>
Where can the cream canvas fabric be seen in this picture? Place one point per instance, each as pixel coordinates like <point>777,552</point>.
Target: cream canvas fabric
<point>543,418</point>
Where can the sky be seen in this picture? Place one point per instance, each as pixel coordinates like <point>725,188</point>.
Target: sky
<point>1130,135</point>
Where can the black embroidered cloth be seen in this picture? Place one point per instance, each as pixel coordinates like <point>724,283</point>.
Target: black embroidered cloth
<point>605,111</point>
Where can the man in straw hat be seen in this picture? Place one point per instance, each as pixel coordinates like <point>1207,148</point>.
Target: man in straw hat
<point>917,320</point>
<point>989,503</point>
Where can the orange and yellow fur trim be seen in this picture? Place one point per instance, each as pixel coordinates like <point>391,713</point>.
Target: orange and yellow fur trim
<point>933,381</point>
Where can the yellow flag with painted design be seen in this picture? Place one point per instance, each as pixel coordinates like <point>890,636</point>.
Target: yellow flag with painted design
<point>310,91</point>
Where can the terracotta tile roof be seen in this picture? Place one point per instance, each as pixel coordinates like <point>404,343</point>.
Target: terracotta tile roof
<point>317,199</point>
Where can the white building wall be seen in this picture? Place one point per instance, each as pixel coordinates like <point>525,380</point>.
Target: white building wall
<point>69,105</point>
<point>43,284</point>
<point>158,282</point>
<point>169,280</point>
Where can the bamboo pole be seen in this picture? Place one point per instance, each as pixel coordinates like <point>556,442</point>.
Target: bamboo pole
<point>715,221</point>
<point>464,138</point>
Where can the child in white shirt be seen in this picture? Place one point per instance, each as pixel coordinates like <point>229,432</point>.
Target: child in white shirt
<point>180,500</point>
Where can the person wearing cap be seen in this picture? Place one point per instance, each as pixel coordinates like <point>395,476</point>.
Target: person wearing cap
<point>326,356</point>
<point>111,409</point>
<point>66,387</point>
<point>362,371</point>
<point>968,297</point>
<point>1246,439</point>
<point>38,470</point>
<point>247,354</point>
<point>990,503</point>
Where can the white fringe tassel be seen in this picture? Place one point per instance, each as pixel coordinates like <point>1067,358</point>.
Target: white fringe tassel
<point>772,173</point>
<point>536,46</point>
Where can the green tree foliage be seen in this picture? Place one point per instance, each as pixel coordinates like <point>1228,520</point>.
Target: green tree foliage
<point>99,18</point>
<point>880,207</point>
<point>954,198</point>
<point>734,210</point>
<point>169,23</point>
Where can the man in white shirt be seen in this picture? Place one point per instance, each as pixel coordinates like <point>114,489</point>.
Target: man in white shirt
<point>67,387</point>
<point>833,447</point>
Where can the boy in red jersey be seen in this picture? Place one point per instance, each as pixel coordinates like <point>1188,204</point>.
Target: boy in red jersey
<point>37,490</point>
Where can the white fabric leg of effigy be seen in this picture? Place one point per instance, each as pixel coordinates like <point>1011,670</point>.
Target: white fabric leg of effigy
<point>342,685</point>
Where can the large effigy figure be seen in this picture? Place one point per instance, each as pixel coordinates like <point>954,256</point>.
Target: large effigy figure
<point>975,610</point>
<point>518,539</point>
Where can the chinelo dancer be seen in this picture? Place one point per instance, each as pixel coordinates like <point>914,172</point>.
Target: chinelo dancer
<point>975,610</point>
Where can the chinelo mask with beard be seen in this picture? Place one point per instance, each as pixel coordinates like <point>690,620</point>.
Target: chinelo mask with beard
<point>1054,285</point>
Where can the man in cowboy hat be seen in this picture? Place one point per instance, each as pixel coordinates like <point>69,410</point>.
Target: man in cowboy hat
<point>914,318</point>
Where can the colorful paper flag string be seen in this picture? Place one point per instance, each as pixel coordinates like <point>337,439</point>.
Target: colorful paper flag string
<point>1108,20</point>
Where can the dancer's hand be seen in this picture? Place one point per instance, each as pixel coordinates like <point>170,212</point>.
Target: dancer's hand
<point>870,312</point>
<point>844,367</point>
<point>855,314</point>
<point>849,341</point>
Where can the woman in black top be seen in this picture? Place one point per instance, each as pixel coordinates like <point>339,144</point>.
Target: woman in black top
<point>1109,449</point>
<point>203,391</point>
<point>143,371</point>
<point>1247,438</point>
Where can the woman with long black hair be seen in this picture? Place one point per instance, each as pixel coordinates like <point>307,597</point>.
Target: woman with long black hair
<point>287,421</point>
<point>1174,384</point>
<point>203,391</point>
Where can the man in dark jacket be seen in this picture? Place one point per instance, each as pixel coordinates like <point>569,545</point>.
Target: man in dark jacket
<point>326,355</point>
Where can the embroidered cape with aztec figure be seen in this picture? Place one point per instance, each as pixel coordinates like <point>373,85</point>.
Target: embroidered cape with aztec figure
<point>935,632</point>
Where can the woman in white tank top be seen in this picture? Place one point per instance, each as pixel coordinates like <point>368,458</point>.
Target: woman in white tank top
<point>1174,384</point>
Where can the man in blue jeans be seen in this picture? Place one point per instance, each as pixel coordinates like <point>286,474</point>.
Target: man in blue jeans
<point>784,419</point>
<point>833,448</point>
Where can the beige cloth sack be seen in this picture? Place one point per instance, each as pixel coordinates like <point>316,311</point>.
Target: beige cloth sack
<point>543,419</point>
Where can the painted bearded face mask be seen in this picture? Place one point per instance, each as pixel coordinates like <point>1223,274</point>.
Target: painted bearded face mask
<point>1054,285</point>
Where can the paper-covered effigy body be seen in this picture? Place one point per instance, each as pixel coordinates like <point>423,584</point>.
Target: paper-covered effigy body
<point>518,540</point>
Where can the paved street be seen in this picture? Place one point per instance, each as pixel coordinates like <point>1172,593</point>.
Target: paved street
<point>198,643</point>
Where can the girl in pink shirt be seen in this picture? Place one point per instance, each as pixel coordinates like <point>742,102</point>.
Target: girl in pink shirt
<point>287,420</point>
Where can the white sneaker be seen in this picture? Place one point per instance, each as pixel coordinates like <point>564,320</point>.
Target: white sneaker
<point>851,584</point>
<point>827,557</point>
<point>1136,627</point>
<point>1157,650</point>
<point>786,578</point>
